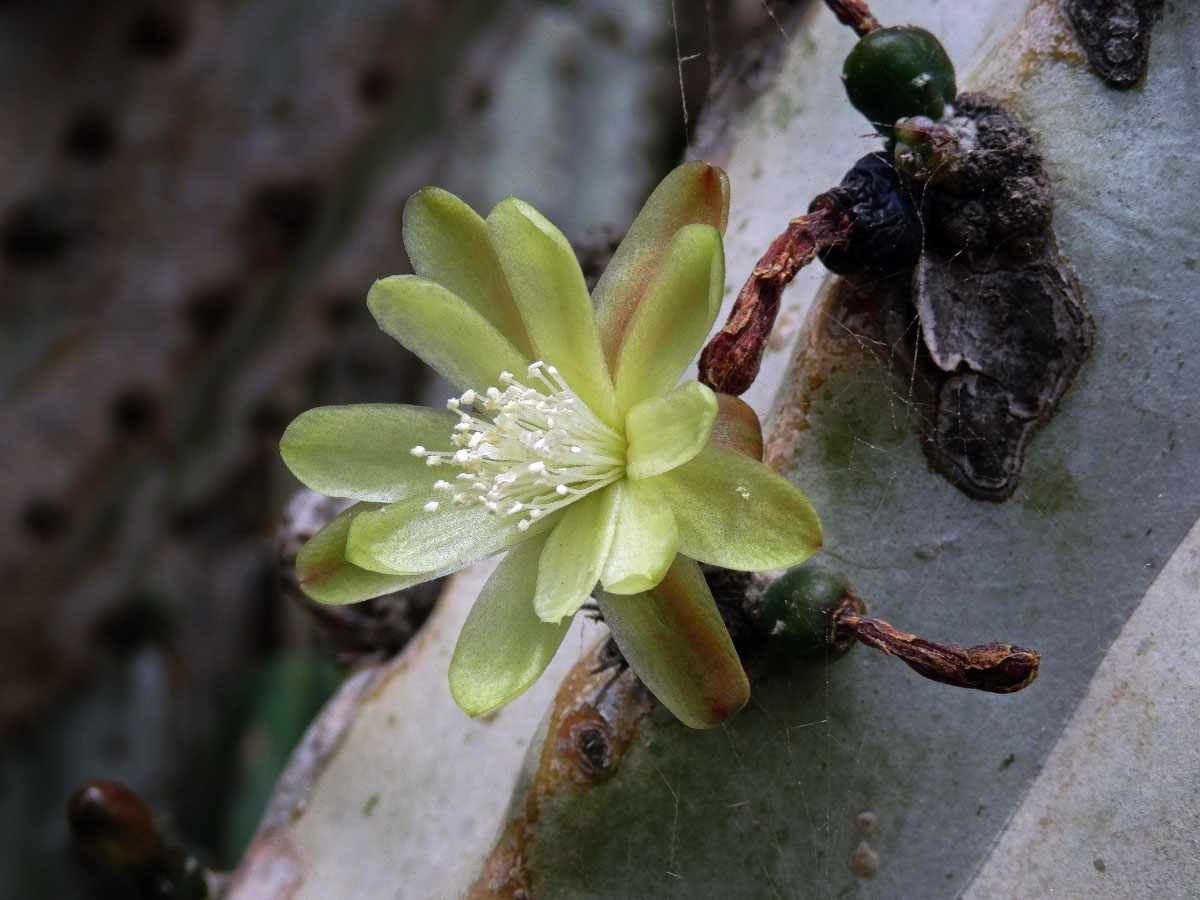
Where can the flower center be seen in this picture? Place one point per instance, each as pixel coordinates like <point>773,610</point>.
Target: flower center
<point>526,450</point>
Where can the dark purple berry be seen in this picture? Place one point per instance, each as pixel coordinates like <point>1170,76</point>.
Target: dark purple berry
<point>886,234</point>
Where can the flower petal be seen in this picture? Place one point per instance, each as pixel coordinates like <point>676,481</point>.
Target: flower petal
<point>674,639</point>
<point>694,192</point>
<point>444,330</point>
<point>737,427</point>
<point>361,451</point>
<point>574,555</point>
<point>547,284</point>
<point>645,540</point>
<point>674,317</point>
<point>504,646</point>
<point>403,538</point>
<point>327,576</point>
<point>737,513</point>
<point>666,431</point>
<point>448,242</point>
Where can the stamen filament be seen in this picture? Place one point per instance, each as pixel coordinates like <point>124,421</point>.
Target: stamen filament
<point>527,450</point>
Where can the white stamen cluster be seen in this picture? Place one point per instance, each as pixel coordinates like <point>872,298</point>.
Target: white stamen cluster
<point>526,451</point>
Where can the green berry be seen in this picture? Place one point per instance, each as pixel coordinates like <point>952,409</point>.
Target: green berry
<point>799,610</point>
<point>894,73</point>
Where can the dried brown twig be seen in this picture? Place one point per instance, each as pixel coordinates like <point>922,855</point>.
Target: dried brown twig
<point>730,362</point>
<point>993,667</point>
<point>855,14</point>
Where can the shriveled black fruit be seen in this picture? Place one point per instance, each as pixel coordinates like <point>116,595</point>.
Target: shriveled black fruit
<point>885,223</point>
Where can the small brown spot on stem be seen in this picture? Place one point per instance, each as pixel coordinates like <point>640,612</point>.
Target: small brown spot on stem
<point>865,822</point>
<point>589,747</point>
<point>864,860</point>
